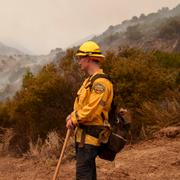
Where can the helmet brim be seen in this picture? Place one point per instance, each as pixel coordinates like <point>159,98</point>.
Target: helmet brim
<point>91,55</point>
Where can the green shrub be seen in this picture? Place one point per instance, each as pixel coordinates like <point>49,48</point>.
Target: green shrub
<point>140,78</point>
<point>170,29</point>
<point>142,83</point>
<point>133,33</point>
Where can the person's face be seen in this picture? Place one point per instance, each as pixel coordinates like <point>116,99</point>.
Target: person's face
<point>83,63</point>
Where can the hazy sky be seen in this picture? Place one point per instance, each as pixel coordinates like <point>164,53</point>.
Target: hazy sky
<point>41,25</point>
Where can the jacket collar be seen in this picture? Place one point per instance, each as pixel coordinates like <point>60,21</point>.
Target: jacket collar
<point>100,71</point>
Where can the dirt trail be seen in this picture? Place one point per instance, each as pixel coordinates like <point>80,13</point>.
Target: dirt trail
<point>153,160</point>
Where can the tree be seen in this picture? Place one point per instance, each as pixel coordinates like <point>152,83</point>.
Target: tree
<point>133,33</point>
<point>27,79</point>
<point>171,29</point>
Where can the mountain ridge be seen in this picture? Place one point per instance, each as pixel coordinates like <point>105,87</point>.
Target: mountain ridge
<point>8,51</point>
<point>14,66</point>
<point>144,32</point>
<point>155,31</point>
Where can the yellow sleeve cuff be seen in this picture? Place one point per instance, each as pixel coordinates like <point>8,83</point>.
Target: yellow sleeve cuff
<point>74,117</point>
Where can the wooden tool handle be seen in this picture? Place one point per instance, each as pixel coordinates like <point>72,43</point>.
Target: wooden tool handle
<point>61,155</point>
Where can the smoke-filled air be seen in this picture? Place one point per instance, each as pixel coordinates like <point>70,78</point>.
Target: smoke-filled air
<point>95,81</point>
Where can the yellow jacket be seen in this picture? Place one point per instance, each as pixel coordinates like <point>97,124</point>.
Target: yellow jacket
<point>89,104</point>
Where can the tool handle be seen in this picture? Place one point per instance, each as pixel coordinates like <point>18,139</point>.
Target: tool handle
<point>61,155</point>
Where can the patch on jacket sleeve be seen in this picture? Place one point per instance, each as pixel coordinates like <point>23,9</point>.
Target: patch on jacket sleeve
<point>99,88</point>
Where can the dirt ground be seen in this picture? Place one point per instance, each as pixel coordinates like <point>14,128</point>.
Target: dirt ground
<point>156,159</point>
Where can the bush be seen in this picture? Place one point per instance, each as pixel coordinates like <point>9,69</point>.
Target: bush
<point>168,60</point>
<point>42,105</point>
<point>133,33</point>
<point>157,115</point>
<point>140,78</point>
<point>49,151</point>
<point>4,115</point>
<point>171,29</point>
<point>143,81</point>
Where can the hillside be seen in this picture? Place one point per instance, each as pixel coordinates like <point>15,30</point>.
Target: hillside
<point>160,30</point>
<point>7,51</point>
<point>157,158</point>
<point>14,66</point>
<point>155,31</point>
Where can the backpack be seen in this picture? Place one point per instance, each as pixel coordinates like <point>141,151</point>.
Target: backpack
<point>119,129</point>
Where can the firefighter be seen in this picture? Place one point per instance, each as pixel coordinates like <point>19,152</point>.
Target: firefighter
<point>91,106</point>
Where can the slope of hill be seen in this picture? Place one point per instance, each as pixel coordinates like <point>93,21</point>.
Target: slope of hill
<point>153,159</point>
<point>13,67</point>
<point>7,51</point>
<point>160,30</point>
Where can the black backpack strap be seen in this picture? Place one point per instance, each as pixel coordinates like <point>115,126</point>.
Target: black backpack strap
<point>97,76</point>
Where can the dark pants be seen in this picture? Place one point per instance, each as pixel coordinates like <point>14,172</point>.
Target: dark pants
<point>85,162</point>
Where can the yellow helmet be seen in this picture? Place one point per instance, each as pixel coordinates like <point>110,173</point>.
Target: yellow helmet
<point>91,49</point>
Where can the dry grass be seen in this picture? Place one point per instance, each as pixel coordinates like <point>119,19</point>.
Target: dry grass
<point>5,137</point>
<point>49,151</point>
<point>160,115</point>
